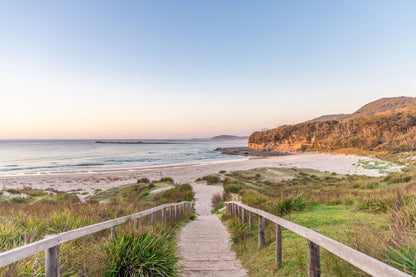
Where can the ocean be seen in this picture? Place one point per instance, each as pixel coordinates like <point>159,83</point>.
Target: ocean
<point>27,157</point>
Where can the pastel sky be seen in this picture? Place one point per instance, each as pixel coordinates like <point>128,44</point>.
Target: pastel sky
<point>181,69</point>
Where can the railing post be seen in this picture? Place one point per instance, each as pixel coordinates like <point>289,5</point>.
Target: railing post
<point>153,219</point>
<point>113,231</point>
<point>171,213</point>
<point>164,215</point>
<point>137,223</point>
<point>314,259</point>
<point>52,261</point>
<point>261,231</point>
<point>250,220</point>
<point>278,244</point>
<point>243,217</point>
<point>176,212</point>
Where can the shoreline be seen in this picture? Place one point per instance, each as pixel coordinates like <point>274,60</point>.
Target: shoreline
<point>183,172</point>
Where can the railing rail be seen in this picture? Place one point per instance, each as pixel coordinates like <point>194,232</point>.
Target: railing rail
<point>315,240</point>
<point>50,243</point>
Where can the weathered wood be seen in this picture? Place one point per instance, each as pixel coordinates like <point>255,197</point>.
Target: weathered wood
<point>278,259</point>
<point>261,231</point>
<point>250,220</point>
<point>154,219</point>
<point>113,231</point>
<point>171,213</point>
<point>164,215</point>
<point>357,259</point>
<point>243,217</point>
<point>52,262</point>
<point>314,260</point>
<point>176,212</point>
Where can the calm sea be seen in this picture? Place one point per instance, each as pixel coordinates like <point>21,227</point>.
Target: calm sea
<point>21,157</point>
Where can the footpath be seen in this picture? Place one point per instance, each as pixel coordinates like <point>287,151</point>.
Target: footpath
<point>205,243</point>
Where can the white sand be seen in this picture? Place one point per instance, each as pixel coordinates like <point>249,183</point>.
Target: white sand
<point>103,179</point>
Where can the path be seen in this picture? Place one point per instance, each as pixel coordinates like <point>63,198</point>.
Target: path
<point>205,242</point>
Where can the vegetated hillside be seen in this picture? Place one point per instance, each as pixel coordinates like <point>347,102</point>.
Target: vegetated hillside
<point>328,117</point>
<point>384,105</point>
<point>227,137</point>
<point>388,124</point>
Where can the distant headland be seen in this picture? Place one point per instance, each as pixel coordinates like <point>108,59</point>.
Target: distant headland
<point>136,142</point>
<point>228,137</point>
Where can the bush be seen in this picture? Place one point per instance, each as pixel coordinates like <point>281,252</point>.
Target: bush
<point>143,180</point>
<point>288,205</point>
<point>233,187</point>
<point>212,179</point>
<point>219,199</point>
<point>142,254</point>
<point>166,179</point>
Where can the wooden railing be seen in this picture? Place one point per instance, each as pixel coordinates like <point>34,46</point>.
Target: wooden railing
<point>50,244</point>
<point>315,240</point>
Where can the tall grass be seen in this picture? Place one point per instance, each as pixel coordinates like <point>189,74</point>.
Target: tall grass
<point>46,213</point>
<point>146,254</point>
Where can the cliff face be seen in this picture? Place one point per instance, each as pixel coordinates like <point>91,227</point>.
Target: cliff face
<point>391,129</point>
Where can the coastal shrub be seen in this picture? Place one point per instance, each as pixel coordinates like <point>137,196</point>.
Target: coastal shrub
<point>166,179</point>
<point>290,204</point>
<point>219,199</point>
<point>374,205</point>
<point>176,194</point>
<point>252,197</point>
<point>212,179</point>
<point>13,191</point>
<point>151,185</point>
<point>185,187</point>
<point>151,253</point>
<point>143,180</point>
<point>233,187</point>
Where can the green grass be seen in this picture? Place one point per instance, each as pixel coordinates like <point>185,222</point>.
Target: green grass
<point>151,253</point>
<point>374,215</point>
<point>44,212</point>
<point>337,222</point>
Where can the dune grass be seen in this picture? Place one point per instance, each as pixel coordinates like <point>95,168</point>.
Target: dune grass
<point>40,213</point>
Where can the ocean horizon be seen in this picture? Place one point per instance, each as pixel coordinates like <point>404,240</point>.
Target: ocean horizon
<point>31,157</point>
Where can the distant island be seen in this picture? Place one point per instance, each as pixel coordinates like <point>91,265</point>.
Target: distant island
<point>228,137</point>
<point>136,142</point>
<point>385,125</point>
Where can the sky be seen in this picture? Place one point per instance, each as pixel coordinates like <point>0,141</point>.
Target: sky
<point>131,69</point>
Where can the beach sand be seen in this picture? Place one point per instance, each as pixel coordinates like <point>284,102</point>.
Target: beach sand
<point>88,181</point>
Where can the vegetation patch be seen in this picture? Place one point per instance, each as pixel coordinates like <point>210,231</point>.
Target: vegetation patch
<point>150,253</point>
<point>374,215</point>
<point>49,212</point>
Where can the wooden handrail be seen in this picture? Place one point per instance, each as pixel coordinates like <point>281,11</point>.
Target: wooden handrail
<point>51,241</point>
<point>360,260</point>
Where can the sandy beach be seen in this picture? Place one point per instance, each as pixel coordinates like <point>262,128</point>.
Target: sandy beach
<point>88,181</point>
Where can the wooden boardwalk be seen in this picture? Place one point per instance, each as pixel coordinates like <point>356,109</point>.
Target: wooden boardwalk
<point>205,243</point>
